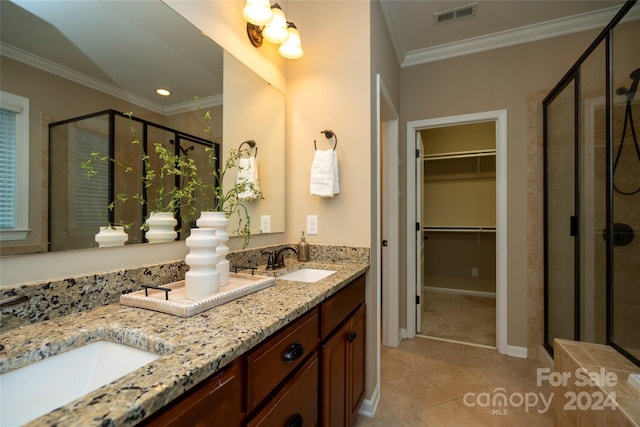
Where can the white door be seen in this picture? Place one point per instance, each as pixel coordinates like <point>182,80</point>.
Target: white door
<point>419,228</point>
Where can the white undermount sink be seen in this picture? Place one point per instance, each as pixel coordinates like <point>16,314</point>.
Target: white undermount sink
<point>34,390</point>
<point>308,275</point>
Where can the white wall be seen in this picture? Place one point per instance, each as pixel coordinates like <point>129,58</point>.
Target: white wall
<point>328,88</point>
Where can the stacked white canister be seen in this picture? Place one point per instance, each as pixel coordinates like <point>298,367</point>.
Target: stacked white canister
<point>208,266</point>
<point>162,227</point>
<point>111,236</point>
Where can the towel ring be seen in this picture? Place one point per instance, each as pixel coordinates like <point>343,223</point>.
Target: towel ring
<point>252,144</point>
<point>328,134</point>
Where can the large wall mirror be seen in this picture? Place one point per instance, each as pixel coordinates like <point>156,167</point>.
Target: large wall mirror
<point>73,59</point>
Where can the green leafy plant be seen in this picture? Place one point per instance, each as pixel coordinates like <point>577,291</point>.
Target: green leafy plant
<point>227,200</point>
<point>159,198</point>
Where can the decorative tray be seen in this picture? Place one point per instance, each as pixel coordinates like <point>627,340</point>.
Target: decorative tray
<point>177,303</point>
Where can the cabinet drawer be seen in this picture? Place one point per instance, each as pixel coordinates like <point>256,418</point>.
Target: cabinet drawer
<point>272,361</point>
<point>296,404</point>
<point>338,307</point>
<point>217,401</point>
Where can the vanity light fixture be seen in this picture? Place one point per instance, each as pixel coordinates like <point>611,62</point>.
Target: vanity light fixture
<point>291,48</point>
<point>276,29</point>
<point>257,12</point>
<point>163,92</point>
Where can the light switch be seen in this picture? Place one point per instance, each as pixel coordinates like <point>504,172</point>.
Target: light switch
<point>265,223</point>
<point>312,224</point>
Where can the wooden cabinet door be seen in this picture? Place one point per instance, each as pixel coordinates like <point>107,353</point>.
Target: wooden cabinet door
<point>356,344</point>
<point>216,402</point>
<point>334,379</point>
<point>343,372</point>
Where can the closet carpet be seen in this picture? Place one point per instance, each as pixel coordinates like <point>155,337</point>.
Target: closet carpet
<point>458,317</point>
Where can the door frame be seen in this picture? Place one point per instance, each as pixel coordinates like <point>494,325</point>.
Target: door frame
<point>388,227</point>
<point>500,118</point>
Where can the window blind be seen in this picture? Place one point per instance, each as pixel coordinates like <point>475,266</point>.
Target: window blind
<point>8,141</point>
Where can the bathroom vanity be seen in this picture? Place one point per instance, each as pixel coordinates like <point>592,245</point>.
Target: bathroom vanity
<point>314,363</point>
<point>289,354</point>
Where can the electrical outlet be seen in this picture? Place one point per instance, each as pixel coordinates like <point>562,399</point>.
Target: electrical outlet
<point>474,272</point>
<point>312,224</point>
<point>265,223</point>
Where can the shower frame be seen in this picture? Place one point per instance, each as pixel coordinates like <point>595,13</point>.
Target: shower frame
<point>573,76</point>
<point>178,138</point>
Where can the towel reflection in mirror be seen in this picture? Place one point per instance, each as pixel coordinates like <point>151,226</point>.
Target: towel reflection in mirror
<point>248,174</point>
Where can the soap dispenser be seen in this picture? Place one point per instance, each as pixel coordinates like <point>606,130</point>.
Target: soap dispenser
<point>303,249</point>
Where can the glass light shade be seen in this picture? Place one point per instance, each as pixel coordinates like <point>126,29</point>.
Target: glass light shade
<point>257,12</point>
<point>276,30</point>
<point>292,48</point>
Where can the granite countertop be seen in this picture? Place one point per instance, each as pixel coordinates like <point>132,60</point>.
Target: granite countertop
<point>191,348</point>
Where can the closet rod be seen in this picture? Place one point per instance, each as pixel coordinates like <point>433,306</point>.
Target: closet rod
<point>462,229</point>
<point>460,154</point>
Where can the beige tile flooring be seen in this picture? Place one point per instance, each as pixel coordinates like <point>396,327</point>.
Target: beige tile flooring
<point>424,383</point>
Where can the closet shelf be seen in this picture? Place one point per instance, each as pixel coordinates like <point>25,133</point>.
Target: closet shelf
<point>461,229</point>
<point>459,154</point>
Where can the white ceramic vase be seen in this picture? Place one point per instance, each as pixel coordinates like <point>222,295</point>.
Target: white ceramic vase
<point>218,221</point>
<point>203,278</point>
<point>111,236</point>
<point>161,227</point>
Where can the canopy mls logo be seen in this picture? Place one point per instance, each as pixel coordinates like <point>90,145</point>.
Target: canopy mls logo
<point>500,401</point>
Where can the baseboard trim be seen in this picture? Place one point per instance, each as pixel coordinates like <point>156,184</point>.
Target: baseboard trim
<point>459,292</point>
<point>516,351</point>
<point>544,357</point>
<point>369,406</point>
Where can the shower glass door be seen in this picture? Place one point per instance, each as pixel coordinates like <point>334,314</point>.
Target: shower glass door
<point>592,194</point>
<point>560,203</point>
<point>625,197</point>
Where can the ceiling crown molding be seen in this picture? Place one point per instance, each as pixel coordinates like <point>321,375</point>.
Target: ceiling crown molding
<point>526,34</point>
<point>394,25</point>
<point>51,67</point>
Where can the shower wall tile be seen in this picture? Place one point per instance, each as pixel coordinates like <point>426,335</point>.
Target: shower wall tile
<point>597,360</point>
<point>535,299</point>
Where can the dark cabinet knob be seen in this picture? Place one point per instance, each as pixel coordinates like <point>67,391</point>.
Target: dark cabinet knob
<point>294,352</point>
<point>295,421</point>
<point>352,336</point>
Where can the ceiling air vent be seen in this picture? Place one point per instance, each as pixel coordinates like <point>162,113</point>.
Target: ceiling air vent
<point>455,14</point>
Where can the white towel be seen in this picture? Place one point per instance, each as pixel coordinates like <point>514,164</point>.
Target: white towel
<point>248,176</point>
<point>325,180</point>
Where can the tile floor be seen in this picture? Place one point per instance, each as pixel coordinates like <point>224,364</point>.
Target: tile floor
<point>424,383</point>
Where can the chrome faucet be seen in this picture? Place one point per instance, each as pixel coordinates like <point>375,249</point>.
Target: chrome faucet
<point>275,259</point>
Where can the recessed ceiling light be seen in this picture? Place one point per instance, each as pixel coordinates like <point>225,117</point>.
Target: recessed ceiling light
<point>163,92</point>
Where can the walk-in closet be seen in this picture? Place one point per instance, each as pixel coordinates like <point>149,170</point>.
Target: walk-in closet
<point>459,232</point>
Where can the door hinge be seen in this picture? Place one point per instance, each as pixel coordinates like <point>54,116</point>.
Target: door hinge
<point>417,226</point>
<point>417,153</point>
<point>573,226</point>
<point>417,299</point>
<point>385,243</point>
